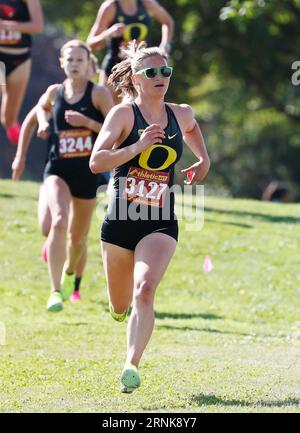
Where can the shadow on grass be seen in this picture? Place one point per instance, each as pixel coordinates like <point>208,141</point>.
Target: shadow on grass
<point>229,223</point>
<point>190,328</point>
<point>76,323</point>
<point>285,219</point>
<point>3,195</point>
<point>263,217</point>
<point>182,316</point>
<point>212,400</point>
<point>16,196</point>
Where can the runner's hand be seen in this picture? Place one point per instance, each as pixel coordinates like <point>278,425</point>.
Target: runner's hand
<point>196,173</point>
<point>43,131</point>
<point>116,30</point>
<point>6,25</point>
<point>153,134</point>
<point>18,166</point>
<point>74,118</point>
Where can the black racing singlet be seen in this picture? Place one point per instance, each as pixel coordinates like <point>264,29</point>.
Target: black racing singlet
<point>73,142</point>
<point>14,10</point>
<point>145,180</point>
<point>137,27</point>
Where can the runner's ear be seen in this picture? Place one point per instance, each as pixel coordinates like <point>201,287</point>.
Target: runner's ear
<point>134,80</point>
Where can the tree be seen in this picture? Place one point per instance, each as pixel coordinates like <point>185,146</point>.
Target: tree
<point>233,63</point>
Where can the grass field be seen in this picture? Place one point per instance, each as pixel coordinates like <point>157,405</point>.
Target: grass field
<point>226,341</point>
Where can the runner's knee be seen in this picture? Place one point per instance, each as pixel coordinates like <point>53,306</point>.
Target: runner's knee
<point>60,223</point>
<point>144,292</point>
<point>45,227</point>
<point>77,240</point>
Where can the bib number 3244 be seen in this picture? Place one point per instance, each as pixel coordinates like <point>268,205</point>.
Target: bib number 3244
<point>75,143</point>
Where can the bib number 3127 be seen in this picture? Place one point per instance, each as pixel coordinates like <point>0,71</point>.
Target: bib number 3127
<point>146,187</point>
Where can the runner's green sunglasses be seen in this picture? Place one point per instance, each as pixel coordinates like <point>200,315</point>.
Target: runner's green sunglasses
<point>162,71</point>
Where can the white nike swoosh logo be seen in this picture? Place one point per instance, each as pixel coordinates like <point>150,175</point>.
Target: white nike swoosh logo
<point>172,136</point>
<point>141,17</point>
<point>83,108</point>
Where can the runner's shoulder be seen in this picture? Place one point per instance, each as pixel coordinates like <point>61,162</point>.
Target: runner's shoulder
<point>122,110</point>
<point>50,93</point>
<point>108,3</point>
<point>148,4</point>
<point>100,91</point>
<point>184,111</point>
<point>180,108</point>
<point>108,6</point>
<point>53,89</point>
<point>184,115</point>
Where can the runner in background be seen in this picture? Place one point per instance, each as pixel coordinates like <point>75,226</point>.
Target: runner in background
<point>28,129</point>
<point>70,186</point>
<point>120,21</point>
<point>19,19</point>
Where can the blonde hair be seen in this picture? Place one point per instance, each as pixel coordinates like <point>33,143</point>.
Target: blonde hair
<point>134,53</point>
<point>75,43</point>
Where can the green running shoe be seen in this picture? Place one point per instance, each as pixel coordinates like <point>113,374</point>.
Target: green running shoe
<point>67,285</point>
<point>55,303</point>
<point>130,378</point>
<point>119,317</point>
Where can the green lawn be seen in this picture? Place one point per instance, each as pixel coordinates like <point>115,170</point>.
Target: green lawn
<point>227,341</point>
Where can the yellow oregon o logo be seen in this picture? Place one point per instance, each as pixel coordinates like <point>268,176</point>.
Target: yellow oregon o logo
<point>144,157</point>
<point>143,32</point>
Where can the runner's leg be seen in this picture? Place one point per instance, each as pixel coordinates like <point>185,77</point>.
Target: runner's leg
<point>151,259</point>
<point>59,197</point>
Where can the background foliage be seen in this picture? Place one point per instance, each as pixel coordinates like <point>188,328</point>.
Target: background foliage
<point>233,63</point>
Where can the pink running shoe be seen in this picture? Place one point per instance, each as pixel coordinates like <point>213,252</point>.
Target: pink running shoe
<point>44,252</point>
<point>75,297</point>
<point>13,133</point>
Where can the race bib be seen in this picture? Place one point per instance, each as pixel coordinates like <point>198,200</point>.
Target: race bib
<point>75,143</point>
<point>146,187</point>
<point>8,37</point>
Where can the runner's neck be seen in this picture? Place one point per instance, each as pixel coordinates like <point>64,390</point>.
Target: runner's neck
<point>75,87</point>
<point>129,7</point>
<point>157,112</point>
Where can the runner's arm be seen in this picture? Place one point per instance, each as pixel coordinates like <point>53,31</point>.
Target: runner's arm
<point>106,155</point>
<point>100,31</point>
<point>194,139</point>
<point>27,130</point>
<point>102,99</point>
<point>43,108</point>
<point>164,18</point>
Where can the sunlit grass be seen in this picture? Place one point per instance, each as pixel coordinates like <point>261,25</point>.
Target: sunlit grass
<point>226,341</point>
